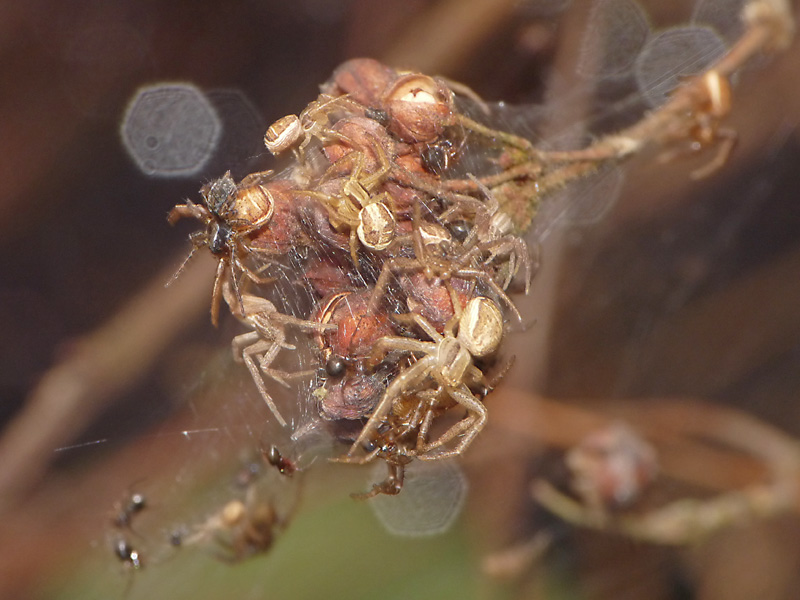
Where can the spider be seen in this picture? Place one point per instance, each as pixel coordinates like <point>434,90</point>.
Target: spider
<point>433,248</point>
<point>241,528</point>
<point>712,105</point>
<point>396,458</point>
<point>274,457</point>
<point>260,216</point>
<point>353,203</point>
<point>353,332</point>
<point>230,212</point>
<point>127,554</point>
<point>490,238</point>
<point>295,132</point>
<point>259,347</point>
<point>447,361</point>
<point>126,510</point>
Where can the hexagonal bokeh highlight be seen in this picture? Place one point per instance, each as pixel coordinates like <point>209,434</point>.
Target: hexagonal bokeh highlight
<point>170,129</point>
<point>672,55</point>
<point>432,497</point>
<point>615,33</point>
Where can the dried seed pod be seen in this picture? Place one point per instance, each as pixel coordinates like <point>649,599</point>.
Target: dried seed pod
<point>404,199</point>
<point>356,331</point>
<point>353,396</point>
<point>362,79</point>
<point>419,108</point>
<point>612,467</point>
<point>328,274</point>
<point>359,134</point>
<point>283,230</point>
<point>431,299</point>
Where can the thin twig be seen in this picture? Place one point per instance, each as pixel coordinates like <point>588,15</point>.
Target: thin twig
<point>102,365</point>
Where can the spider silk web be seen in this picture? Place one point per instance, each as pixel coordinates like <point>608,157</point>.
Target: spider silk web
<point>212,446</point>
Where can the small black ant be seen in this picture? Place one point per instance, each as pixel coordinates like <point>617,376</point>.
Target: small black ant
<point>133,505</point>
<point>127,554</point>
<point>274,457</point>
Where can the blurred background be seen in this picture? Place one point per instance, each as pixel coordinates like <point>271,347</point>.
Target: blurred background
<point>664,288</point>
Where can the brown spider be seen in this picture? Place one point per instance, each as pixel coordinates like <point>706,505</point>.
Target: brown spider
<point>259,347</point>
<point>491,240</point>
<point>354,202</point>
<point>712,105</point>
<point>396,458</point>
<point>446,361</point>
<point>434,257</point>
<point>241,528</point>
<point>274,457</point>
<point>258,217</point>
<point>295,132</point>
<point>230,212</point>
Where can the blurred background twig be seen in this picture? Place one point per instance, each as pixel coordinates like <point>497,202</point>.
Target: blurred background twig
<point>686,288</point>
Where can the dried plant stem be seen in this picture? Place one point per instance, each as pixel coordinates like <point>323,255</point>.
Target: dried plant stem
<point>691,520</point>
<point>769,28</point>
<point>101,365</point>
<point>452,30</point>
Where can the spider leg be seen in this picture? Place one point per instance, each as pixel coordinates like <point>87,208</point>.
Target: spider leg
<point>357,460</point>
<point>247,353</point>
<point>401,382</point>
<point>354,243</point>
<point>388,269</point>
<point>427,420</point>
<point>263,316</point>
<point>429,329</point>
<point>492,285</point>
<point>470,426</point>
<point>183,265</point>
<point>386,344</point>
<point>517,254</point>
<point>190,209</point>
<point>256,177</point>
<point>727,139</point>
<point>393,484</point>
<point>220,279</point>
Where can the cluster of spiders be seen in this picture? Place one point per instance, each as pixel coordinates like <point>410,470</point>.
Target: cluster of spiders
<point>406,256</point>
<point>388,251</point>
<point>401,217</point>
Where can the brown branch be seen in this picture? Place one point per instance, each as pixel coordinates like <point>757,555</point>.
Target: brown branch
<point>101,365</point>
